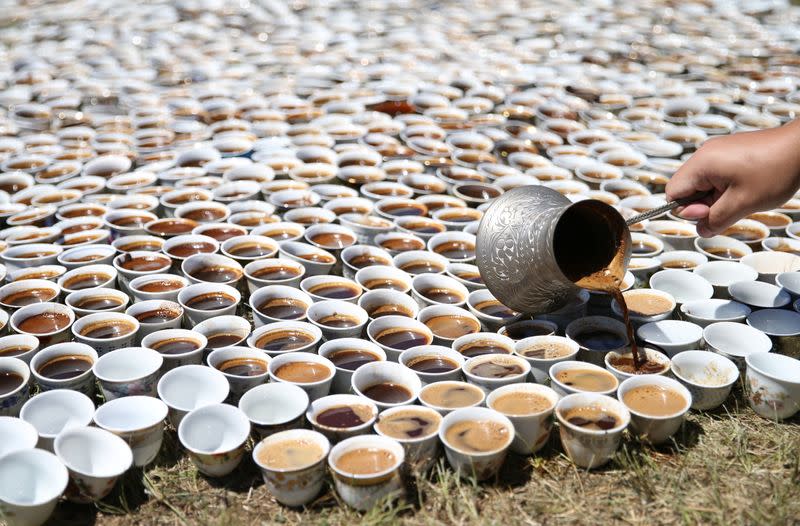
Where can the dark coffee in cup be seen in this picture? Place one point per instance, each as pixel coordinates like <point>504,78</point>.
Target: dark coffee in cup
<point>161,315</point>
<point>452,326</point>
<point>224,233</point>
<point>283,308</point>
<point>98,303</point>
<point>351,359</point>
<point>65,367</point>
<point>160,285</point>
<point>424,227</point>
<point>178,345</point>
<point>388,393</point>
<point>318,257</point>
<point>244,367</point>
<point>276,273</point>
<point>211,301</point>
<point>219,340</point>
<point>385,283</point>
<point>421,267</point>
<point>402,244</point>
<point>413,422</point>
<point>600,340</point>
<point>345,416</point>
<point>89,280</point>
<point>592,417</point>
<point>472,277</point>
<point>216,274</point>
<point>366,461</point>
<point>401,338</point>
<point>432,364</point>
<point>251,250</point>
<point>495,309</point>
<point>481,347</point>
<point>335,290</point>
<point>9,382</point>
<point>335,240</point>
<point>44,323</point>
<point>456,249</point>
<point>281,340</point>
<point>204,215</point>
<point>642,247</point>
<point>29,297</point>
<point>496,368</point>
<point>442,295</point>
<point>520,403</point>
<point>302,372</point>
<point>367,260</point>
<point>190,248</point>
<point>725,253</point>
<point>389,309</point>
<point>679,264</point>
<point>143,263</point>
<point>404,208</point>
<point>14,350</point>
<point>339,321</point>
<point>108,329</point>
<point>477,436</point>
<point>144,246</point>
<point>744,234</point>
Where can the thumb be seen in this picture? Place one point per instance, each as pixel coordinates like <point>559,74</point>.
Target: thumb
<point>722,214</point>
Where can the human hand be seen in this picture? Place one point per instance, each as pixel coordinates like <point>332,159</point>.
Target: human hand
<point>746,173</point>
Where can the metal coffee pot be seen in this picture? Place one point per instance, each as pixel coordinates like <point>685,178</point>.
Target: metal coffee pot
<point>534,245</point>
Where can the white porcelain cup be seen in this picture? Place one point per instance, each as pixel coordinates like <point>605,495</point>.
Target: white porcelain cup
<point>372,374</point>
<point>295,486</point>
<point>531,429</point>
<point>470,463</point>
<point>387,324</point>
<point>773,385</point>
<point>49,338</point>
<point>519,369</point>
<point>195,315</point>
<point>708,376</point>
<point>17,435</point>
<point>83,327</point>
<point>673,336</point>
<point>83,382</point>
<point>31,482</point>
<point>11,401</point>
<point>137,284</point>
<point>735,341</point>
<point>343,377</point>
<point>421,451</point>
<point>139,421</point>
<point>226,358</point>
<point>54,411</point>
<point>315,389</point>
<point>189,387</point>
<point>324,314</point>
<point>171,310</point>
<point>95,459</point>
<point>540,367</point>
<point>590,448</point>
<point>655,429</point>
<point>336,434</point>
<point>564,389</point>
<point>128,371</point>
<point>277,294</point>
<point>223,331</point>
<point>215,437</point>
<point>157,340</point>
<point>24,346</point>
<point>274,407</point>
<point>364,491</point>
<point>412,357</point>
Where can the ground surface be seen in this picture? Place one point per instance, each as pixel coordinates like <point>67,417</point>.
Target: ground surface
<point>725,467</point>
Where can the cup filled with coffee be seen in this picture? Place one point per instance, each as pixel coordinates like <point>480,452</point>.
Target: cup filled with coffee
<point>388,384</point>
<point>623,366</point>
<point>347,355</point>
<point>88,277</point>
<point>491,371</point>
<point>448,323</point>
<point>139,421</point>
<point>530,409</point>
<point>366,470</point>
<point>519,330</point>
<point>65,366</point>
<point>488,309</point>
<point>91,301</point>
<point>273,271</point>
<point>449,395</point>
<point>645,306</point>
<point>202,301</point>
<point>132,265</point>
<point>338,319</point>
<point>279,303</point>
<point>181,247</point>
<point>591,426</point>
<point>394,334</point>
<point>292,463</point>
<point>188,387</point>
<point>157,287</point>
<point>433,363</point>
<point>359,257</point>
<point>417,429</point>
<point>212,268</point>
<point>417,262</point>
<point>223,331</point>
<point>478,344</point>
<point>315,260</point>
<point>285,336</point>
<point>312,372</point>
<point>244,367</point>
<point>321,288</point>
<point>20,346</point>
<point>128,371</point>
<point>155,315</point>
<point>544,351</point>
<point>572,376</point>
<point>27,292</point>
<point>248,248</point>
<point>274,407</point>
<point>106,331</point>
<point>379,303</point>
<point>476,440</point>
<point>215,436</point>
<point>341,416</point>
<point>14,385</point>
<point>434,289</point>
<point>177,346</point>
<point>597,335</point>
<point>657,406</point>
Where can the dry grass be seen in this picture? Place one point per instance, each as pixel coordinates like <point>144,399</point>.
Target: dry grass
<point>724,467</point>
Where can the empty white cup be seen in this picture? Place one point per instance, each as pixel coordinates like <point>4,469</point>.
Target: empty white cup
<point>139,421</point>
<point>189,387</point>
<point>274,407</point>
<point>31,482</point>
<point>54,411</point>
<point>128,371</point>
<point>215,436</point>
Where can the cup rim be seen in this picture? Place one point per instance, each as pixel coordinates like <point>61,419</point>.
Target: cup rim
<point>625,415</point>
<point>576,364</point>
<point>106,379</point>
<point>487,413</point>
<point>541,389</point>
<point>727,361</point>
<point>288,435</point>
<point>387,443</point>
<point>409,440</point>
<point>58,473</point>
<point>158,408</point>
<point>636,381</point>
<point>233,411</point>
<point>256,391</point>
<point>107,435</point>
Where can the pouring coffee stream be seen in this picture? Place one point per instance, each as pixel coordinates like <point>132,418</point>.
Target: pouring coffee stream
<point>536,249</point>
